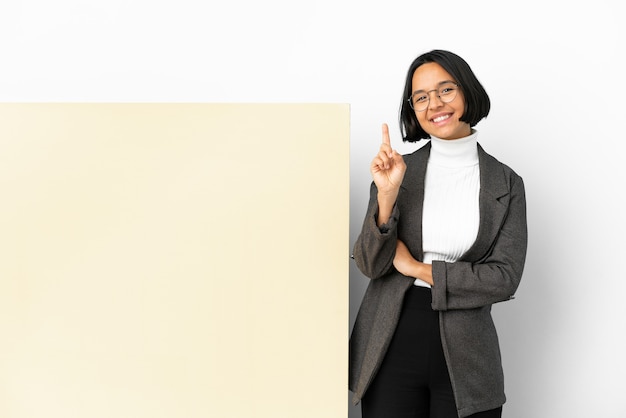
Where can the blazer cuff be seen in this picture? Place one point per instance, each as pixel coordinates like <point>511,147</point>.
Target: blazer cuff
<point>390,225</point>
<point>440,286</point>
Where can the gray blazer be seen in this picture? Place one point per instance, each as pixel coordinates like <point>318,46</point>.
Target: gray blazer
<point>463,291</point>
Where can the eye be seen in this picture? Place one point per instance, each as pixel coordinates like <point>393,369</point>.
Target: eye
<point>447,90</point>
<point>420,98</point>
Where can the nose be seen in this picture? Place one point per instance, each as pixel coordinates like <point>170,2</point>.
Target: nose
<point>434,101</point>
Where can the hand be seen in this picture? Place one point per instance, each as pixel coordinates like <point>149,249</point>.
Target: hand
<point>403,261</point>
<point>388,167</point>
<point>406,264</point>
<point>388,170</point>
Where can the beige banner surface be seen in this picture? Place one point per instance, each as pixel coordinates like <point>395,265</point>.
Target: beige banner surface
<point>174,260</point>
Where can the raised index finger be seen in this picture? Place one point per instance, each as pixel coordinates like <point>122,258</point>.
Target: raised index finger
<point>386,139</point>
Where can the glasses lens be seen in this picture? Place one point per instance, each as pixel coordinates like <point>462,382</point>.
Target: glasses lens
<point>447,92</point>
<point>419,101</point>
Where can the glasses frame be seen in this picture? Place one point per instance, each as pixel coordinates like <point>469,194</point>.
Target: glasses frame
<point>410,99</point>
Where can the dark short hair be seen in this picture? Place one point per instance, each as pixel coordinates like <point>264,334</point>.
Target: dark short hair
<point>477,103</point>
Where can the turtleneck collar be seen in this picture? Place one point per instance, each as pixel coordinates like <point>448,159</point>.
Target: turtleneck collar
<point>462,152</point>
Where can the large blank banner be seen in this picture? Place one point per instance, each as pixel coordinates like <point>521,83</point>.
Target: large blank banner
<point>173,260</point>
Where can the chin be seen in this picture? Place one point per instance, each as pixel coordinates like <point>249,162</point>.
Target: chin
<point>451,133</point>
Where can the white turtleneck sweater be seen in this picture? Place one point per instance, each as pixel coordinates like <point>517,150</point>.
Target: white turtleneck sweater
<point>451,216</point>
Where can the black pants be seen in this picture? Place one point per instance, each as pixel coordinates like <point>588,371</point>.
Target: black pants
<point>413,380</point>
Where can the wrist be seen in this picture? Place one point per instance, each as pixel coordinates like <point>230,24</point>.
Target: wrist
<point>423,272</point>
<point>385,208</point>
<point>388,196</point>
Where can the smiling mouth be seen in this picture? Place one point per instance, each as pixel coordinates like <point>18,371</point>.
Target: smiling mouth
<point>440,118</point>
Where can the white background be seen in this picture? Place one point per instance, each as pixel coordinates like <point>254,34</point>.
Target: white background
<point>555,74</point>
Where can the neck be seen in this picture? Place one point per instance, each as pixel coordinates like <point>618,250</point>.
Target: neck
<point>455,152</point>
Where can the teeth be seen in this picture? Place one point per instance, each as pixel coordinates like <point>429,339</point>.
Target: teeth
<point>440,118</point>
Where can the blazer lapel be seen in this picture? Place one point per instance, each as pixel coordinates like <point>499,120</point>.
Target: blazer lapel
<point>412,203</point>
<point>493,204</point>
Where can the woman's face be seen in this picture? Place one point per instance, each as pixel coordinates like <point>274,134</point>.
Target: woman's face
<point>439,119</point>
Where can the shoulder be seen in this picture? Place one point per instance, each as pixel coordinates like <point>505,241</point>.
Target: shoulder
<point>416,163</point>
<point>418,155</point>
<point>496,178</point>
<point>493,163</point>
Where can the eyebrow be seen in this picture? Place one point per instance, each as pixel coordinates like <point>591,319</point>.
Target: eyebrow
<point>438,85</point>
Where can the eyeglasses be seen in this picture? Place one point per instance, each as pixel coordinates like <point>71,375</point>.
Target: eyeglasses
<point>446,93</point>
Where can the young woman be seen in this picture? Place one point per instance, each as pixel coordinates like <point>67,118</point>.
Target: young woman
<point>443,239</point>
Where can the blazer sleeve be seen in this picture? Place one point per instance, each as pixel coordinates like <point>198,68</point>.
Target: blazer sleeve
<point>495,278</point>
<point>375,247</point>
